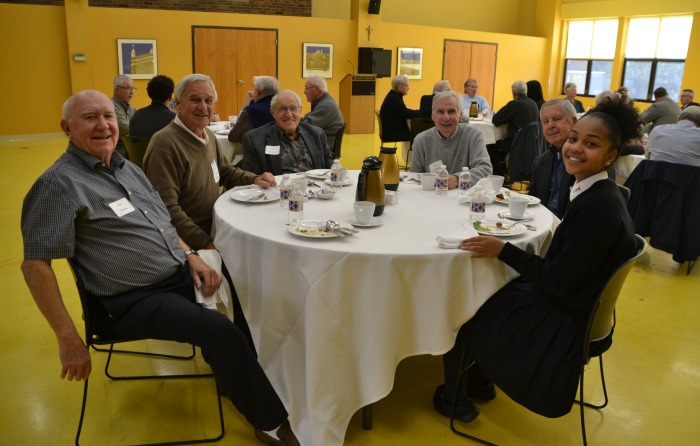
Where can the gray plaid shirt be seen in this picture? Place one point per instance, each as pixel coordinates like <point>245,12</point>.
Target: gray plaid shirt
<point>110,222</point>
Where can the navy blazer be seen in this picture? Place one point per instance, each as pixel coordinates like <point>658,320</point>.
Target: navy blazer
<point>254,142</point>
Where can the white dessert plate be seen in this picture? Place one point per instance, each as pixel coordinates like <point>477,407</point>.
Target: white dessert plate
<point>246,195</point>
<point>503,199</point>
<point>347,182</point>
<point>375,221</point>
<point>504,229</point>
<point>311,229</point>
<point>527,216</point>
<point>318,174</point>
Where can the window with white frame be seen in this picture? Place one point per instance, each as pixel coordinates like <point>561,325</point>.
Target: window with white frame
<point>655,55</point>
<point>590,49</point>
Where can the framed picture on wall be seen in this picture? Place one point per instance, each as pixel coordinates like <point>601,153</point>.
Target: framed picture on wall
<point>410,62</point>
<point>317,60</point>
<point>138,58</point>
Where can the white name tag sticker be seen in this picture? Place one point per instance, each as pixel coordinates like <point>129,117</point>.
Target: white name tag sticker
<point>215,171</point>
<point>435,166</point>
<point>122,207</point>
<point>272,150</point>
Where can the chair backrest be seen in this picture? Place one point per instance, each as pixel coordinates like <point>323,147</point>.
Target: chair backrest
<point>527,144</point>
<point>337,144</point>
<point>625,192</point>
<point>419,125</point>
<point>379,123</point>
<point>601,321</point>
<point>135,148</point>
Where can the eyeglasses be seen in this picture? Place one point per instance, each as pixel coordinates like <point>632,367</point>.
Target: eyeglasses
<point>127,88</point>
<point>291,109</point>
<point>309,88</point>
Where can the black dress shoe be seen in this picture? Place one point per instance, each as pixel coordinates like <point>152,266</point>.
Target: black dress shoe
<point>484,393</point>
<point>465,411</point>
<point>285,434</point>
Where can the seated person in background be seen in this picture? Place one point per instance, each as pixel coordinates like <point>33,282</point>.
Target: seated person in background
<point>607,94</point>
<point>324,110</point>
<point>123,94</point>
<point>426,101</point>
<point>517,114</point>
<point>534,92</point>
<point>107,220</point>
<point>528,336</point>
<point>663,111</point>
<point>150,119</point>
<point>471,86</point>
<point>624,93</point>
<point>286,145</point>
<point>451,143</point>
<point>687,98</point>
<point>255,110</point>
<point>677,143</point>
<point>570,92</point>
<point>394,112</point>
<point>550,181</point>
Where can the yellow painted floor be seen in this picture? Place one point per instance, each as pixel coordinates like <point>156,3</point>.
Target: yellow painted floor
<point>652,369</point>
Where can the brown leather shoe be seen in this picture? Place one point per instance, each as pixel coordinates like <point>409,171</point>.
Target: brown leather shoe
<point>287,437</point>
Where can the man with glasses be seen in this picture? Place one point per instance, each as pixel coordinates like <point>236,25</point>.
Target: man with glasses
<point>286,145</point>
<point>123,93</point>
<point>687,97</point>
<point>324,110</point>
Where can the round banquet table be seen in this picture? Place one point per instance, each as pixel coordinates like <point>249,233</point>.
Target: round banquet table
<point>332,318</point>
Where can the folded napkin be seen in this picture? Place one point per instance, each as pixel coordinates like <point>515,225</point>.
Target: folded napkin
<point>452,241</point>
<point>213,259</point>
<point>487,186</point>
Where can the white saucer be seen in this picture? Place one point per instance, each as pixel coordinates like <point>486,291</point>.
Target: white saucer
<point>375,221</point>
<point>527,216</point>
<point>347,182</point>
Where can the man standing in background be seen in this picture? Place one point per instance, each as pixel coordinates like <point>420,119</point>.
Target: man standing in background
<point>123,93</point>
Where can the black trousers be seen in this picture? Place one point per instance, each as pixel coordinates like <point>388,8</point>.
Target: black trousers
<point>168,311</point>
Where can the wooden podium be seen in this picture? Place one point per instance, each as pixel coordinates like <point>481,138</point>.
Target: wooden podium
<point>357,102</point>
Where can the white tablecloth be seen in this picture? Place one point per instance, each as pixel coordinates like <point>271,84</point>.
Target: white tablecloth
<point>625,165</point>
<point>332,318</point>
<point>490,132</point>
<point>233,151</point>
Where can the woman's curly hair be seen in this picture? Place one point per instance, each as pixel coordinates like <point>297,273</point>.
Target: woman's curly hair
<point>621,119</point>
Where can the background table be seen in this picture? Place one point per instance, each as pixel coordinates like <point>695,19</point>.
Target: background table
<point>332,318</point>
<point>625,165</point>
<point>233,151</point>
<point>490,132</point>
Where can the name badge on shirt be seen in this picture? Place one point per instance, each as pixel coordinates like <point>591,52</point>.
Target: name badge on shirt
<point>272,150</point>
<point>435,167</point>
<point>215,171</point>
<point>122,207</point>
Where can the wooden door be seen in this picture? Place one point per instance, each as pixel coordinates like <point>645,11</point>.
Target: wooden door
<point>463,60</point>
<point>232,56</point>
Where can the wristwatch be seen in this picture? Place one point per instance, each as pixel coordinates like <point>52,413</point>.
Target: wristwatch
<point>191,251</point>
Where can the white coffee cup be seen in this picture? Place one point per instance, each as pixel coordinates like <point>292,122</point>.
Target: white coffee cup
<point>496,182</point>
<point>232,119</point>
<point>517,204</point>
<point>364,210</point>
<point>343,175</point>
<point>427,180</point>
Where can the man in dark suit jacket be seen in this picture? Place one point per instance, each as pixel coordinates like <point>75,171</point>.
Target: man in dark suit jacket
<point>286,145</point>
<point>550,181</point>
<point>394,112</point>
<point>517,114</point>
<point>687,98</point>
<point>426,101</point>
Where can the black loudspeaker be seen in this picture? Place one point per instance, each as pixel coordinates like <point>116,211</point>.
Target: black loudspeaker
<point>374,6</point>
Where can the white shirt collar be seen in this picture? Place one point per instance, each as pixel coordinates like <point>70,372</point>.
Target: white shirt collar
<point>204,141</point>
<point>580,187</point>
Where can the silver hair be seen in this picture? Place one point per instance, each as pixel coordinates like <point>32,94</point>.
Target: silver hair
<point>565,106</point>
<point>318,81</point>
<point>570,86</point>
<point>519,88</point>
<point>691,91</point>
<point>442,86</point>
<point>192,78</point>
<point>691,114</point>
<point>469,81</point>
<point>273,102</point>
<point>266,85</point>
<point>607,94</point>
<point>448,94</point>
<point>68,105</point>
<point>398,80</point>
<point>119,80</point>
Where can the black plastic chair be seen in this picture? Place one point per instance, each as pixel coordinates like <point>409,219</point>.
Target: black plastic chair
<point>93,340</point>
<point>135,148</point>
<point>338,141</point>
<point>598,338</point>
<point>418,125</point>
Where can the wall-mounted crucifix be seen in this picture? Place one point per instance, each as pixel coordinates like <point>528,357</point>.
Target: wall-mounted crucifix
<point>369,31</point>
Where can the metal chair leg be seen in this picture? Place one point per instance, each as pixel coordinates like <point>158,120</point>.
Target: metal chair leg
<point>82,413</point>
<point>367,417</point>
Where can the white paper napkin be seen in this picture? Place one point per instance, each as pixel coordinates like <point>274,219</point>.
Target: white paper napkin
<point>452,241</point>
<point>487,186</point>
<point>213,259</point>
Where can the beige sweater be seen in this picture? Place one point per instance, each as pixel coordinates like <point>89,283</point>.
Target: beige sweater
<point>181,169</point>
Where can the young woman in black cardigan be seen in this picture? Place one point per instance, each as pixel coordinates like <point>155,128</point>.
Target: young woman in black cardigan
<point>527,337</point>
